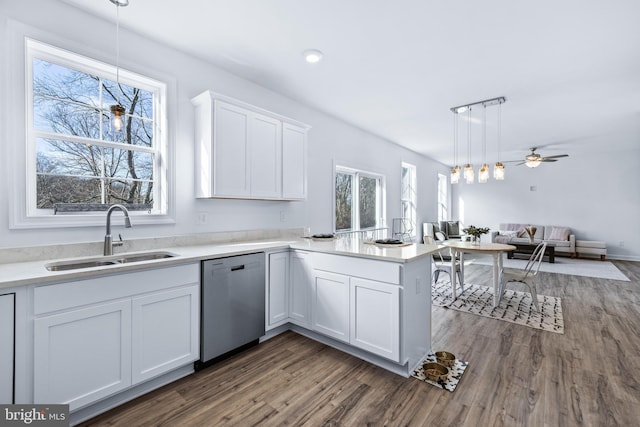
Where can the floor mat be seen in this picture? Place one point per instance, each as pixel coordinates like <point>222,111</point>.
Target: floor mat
<point>516,307</point>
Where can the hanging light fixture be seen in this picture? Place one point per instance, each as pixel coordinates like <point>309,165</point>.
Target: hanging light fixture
<point>117,110</point>
<point>469,175</point>
<point>455,172</point>
<point>483,173</point>
<point>498,168</point>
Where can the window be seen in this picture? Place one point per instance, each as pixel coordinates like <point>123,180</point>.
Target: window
<point>443,198</point>
<point>76,160</point>
<point>409,196</point>
<point>358,200</point>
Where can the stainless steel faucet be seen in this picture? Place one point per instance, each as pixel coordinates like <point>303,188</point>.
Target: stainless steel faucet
<point>108,240</point>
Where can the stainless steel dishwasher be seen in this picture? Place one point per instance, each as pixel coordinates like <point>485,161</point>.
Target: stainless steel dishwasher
<point>233,306</point>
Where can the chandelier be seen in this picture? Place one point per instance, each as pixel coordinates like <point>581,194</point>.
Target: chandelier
<point>483,171</point>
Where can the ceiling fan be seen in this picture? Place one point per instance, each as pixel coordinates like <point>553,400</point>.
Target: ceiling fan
<point>534,159</point>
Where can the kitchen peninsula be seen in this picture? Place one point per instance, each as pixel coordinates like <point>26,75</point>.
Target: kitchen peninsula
<point>368,300</point>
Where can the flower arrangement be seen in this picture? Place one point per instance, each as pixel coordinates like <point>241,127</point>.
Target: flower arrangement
<point>474,231</point>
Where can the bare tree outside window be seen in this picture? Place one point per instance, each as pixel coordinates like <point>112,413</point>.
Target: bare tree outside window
<point>79,157</point>
<point>357,200</point>
<point>344,198</point>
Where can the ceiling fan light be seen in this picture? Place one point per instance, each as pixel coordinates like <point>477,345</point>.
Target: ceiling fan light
<point>455,174</point>
<point>483,174</point>
<point>498,171</point>
<point>532,163</point>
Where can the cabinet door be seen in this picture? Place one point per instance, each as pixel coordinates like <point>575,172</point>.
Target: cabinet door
<point>294,162</point>
<point>375,317</point>
<point>331,304</point>
<point>165,331</point>
<point>278,289</point>
<point>300,289</point>
<point>230,149</point>
<point>265,149</point>
<point>7,334</point>
<point>82,355</point>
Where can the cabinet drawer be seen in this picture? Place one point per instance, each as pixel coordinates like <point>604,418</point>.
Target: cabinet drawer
<point>62,296</point>
<point>381,271</point>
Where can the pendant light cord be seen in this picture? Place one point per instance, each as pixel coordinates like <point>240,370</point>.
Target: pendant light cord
<point>118,52</point>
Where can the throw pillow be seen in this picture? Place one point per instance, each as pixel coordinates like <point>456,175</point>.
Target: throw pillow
<point>559,233</point>
<point>452,228</point>
<point>508,233</point>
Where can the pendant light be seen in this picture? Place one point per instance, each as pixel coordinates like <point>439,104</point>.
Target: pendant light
<point>455,172</point>
<point>483,173</point>
<point>498,168</point>
<point>469,175</point>
<point>117,110</point>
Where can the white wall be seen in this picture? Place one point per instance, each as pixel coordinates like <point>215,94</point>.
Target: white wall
<point>330,140</point>
<point>597,194</point>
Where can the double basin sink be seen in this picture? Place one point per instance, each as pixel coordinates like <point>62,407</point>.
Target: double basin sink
<point>107,260</point>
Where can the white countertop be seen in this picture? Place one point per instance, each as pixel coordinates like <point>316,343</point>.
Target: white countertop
<point>35,272</point>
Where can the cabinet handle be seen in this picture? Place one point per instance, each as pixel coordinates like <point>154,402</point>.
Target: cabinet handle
<point>237,267</point>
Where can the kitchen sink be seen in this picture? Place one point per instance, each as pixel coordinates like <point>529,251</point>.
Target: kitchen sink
<point>145,257</point>
<point>102,261</point>
<point>73,265</point>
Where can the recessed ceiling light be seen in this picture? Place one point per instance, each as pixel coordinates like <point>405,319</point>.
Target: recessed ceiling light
<point>312,56</point>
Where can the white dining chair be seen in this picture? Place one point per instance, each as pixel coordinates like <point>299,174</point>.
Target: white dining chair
<point>440,265</point>
<point>528,275</point>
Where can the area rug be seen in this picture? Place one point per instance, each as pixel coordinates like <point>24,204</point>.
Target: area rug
<point>574,267</point>
<point>453,378</point>
<point>515,307</point>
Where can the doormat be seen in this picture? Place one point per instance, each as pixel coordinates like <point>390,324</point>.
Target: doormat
<point>515,307</point>
<point>453,378</point>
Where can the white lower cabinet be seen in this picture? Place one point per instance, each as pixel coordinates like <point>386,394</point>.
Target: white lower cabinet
<point>82,355</point>
<point>7,351</point>
<point>375,317</point>
<point>278,289</point>
<point>300,284</point>
<point>96,337</point>
<point>330,303</point>
<point>162,332</point>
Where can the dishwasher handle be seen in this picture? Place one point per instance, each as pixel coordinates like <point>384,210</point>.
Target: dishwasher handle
<point>237,267</point>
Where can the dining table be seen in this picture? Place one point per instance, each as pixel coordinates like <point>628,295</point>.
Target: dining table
<point>494,249</point>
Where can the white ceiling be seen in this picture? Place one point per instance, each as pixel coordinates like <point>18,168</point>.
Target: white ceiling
<point>570,69</point>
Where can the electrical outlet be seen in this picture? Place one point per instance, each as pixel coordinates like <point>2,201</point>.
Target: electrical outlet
<point>283,216</point>
<point>202,218</point>
<point>622,243</point>
<point>418,285</point>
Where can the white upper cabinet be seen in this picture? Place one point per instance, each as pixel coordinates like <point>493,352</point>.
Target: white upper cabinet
<point>294,162</point>
<point>245,152</point>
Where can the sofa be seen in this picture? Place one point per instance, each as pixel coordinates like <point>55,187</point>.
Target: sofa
<point>562,238</point>
<point>450,229</point>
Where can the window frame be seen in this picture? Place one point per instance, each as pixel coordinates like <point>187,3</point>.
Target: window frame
<point>355,204</point>
<point>412,201</point>
<point>443,197</point>
<point>25,211</point>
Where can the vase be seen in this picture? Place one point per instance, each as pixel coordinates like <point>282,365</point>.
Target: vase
<point>475,240</point>
<point>531,240</point>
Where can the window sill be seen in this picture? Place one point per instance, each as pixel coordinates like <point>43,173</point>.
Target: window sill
<point>93,220</point>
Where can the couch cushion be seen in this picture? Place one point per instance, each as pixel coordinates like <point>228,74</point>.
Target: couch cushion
<point>453,228</point>
<point>558,233</point>
<point>501,238</point>
<point>559,243</point>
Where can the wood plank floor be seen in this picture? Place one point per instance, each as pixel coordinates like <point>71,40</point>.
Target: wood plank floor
<point>517,376</point>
